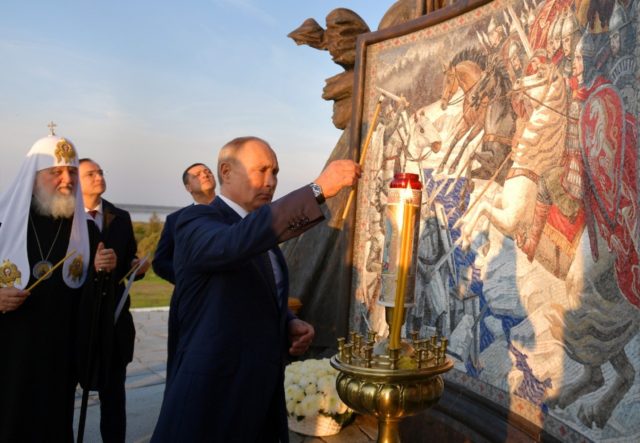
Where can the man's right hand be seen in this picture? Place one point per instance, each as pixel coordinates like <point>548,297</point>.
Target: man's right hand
<point>337,175</point>
<point>105,259</point>
<point>11,299</point>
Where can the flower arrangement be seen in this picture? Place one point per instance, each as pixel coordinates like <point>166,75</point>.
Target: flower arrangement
<point>313,404</point>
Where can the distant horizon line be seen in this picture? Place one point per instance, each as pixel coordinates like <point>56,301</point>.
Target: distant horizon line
<point>139,207</point>
<point>140,212</point>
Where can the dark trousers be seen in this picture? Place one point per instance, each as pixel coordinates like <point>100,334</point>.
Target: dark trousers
<point>113,416</point>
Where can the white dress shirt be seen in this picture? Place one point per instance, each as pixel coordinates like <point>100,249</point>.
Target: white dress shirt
<point>277,270</point>
<point>99,218</point>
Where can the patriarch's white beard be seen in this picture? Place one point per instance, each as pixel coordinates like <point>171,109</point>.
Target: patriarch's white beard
<point>54,205</point>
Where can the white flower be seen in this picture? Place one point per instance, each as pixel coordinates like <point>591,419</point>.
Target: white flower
<point>295,366</point>
<point>324,404</point>
<point>298,410</point>
<point>311,405</point>
<point>292,377</point>
<point>327,383</point>
<point>333,405</point>
<point>291,406</point>
<point>294,392</point>
<point>306,379</point>
<point>310,389</point>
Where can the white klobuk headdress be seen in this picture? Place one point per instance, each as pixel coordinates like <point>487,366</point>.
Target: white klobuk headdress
<point>15,269</point>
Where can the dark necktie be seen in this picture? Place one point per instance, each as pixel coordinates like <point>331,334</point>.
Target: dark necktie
<point>93,213</point>
<point>266,260</point>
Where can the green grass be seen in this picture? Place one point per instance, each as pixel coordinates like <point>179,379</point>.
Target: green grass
<point>150,292</point>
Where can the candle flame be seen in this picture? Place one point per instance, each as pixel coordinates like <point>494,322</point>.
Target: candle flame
<point>404,220</point>
<point>405,197</point>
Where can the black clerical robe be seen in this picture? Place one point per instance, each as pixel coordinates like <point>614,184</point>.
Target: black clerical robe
<point>37,367</point>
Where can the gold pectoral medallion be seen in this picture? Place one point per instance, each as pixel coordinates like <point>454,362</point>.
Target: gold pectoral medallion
<point>9,274</point>
<point>76,268</point>
<point>41,268</point>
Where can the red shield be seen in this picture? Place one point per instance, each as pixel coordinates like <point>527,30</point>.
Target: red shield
<point>602,130</point>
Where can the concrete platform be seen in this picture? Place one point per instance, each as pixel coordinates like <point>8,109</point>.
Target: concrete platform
<point>145,380</point>
<point>145,387</point>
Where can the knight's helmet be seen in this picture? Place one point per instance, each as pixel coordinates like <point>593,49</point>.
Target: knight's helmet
<point>618,25</point>
<point>495,32</point>
<point>570,29</point>
<point>554,37</point>
<point>570,24</point>
<point>587,48</point>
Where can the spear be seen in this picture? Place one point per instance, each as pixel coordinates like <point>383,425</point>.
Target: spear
<point>481,40</point>
<point>520,31</point>
<point>363,153</point>
<point>467,163</point>
<point>400,100</point>
<point>453,182</point>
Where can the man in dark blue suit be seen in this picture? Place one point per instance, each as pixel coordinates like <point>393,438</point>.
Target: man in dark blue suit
<point>116,231</point>
<point>198,180</point>
<point>232,326</point>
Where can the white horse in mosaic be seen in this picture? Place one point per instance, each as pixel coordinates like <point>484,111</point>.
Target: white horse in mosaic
<point>405,147</point>
<point>540,146</point>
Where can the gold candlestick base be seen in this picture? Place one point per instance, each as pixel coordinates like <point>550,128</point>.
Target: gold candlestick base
<point>389,394</point>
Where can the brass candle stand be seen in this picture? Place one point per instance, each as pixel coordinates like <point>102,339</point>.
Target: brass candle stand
<point>390,384</point>
<point>394,378</point>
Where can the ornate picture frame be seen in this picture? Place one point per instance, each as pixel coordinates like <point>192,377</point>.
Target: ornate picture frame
<point>521,120</point>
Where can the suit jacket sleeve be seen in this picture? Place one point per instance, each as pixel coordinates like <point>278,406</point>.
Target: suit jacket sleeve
<point>163,259</point>
<point>212,242</point>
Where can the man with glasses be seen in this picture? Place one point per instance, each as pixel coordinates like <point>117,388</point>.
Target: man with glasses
<point>116,231</point>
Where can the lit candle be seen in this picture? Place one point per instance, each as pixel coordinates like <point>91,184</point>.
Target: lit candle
<point>408,210</point>
<point>398,258</point>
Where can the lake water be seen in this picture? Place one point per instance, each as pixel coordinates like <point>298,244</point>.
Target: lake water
<point>142,213</point>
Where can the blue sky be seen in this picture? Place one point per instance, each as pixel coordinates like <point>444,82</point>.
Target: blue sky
<point>147,88</point>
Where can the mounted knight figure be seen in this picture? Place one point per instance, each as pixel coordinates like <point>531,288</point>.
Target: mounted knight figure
<point>608,137</point>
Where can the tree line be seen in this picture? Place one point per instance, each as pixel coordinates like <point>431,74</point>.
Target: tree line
<point>147,235</point>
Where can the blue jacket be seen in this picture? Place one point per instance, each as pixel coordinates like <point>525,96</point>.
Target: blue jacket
<point>228,325</point>
<point>163,258</point>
